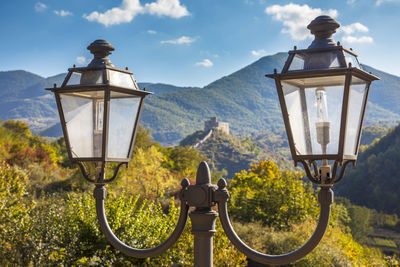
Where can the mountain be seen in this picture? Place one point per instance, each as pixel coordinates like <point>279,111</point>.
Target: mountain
<point>246,99</point>
<point>385,92</point>
<point>22,97</point>
<point>161,88</point>
<point>232,154</point>
<point>377,173</point>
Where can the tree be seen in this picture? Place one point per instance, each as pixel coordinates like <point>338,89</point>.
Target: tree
<point>277,198</point>
<point>146,175</point>
<point>14,212</point>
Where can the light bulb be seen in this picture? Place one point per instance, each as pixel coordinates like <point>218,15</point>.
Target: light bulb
<point>322,124</point>
<point>99,110</point>
<point>322,109</point>
<point>98,127</point>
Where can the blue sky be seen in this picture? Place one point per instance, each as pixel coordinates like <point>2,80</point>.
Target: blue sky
<point>187,42</point>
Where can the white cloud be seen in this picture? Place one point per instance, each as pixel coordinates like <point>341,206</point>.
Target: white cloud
<point>128,10</point>
<point>351,2</point>
<point>151,32</point>
<point>82,60</point>
<point>380,2</point>
<point>296,18</point>
<point>258,52</point>
<point>170,8</point>
<point>63,13</point>
<point>352,28</point>
<point>39,7</point>
<point>117,15</point>
<point>352,39</point>
<point>180,40</point>
<point>205,63</point>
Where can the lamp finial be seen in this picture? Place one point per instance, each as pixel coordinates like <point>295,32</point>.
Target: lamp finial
<point>323,27</point>
<point>101,49</point>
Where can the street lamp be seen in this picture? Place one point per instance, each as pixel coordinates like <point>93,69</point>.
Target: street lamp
<point>323,94</point>
<point>99,107</point>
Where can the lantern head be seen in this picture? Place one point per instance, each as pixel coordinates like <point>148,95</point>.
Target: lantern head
<point>323,93</point>
<point>99,107</point>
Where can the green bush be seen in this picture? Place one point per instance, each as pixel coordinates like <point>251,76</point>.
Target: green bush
<point>65,232</point>
<point>337,247</point>
<point>277,198</point>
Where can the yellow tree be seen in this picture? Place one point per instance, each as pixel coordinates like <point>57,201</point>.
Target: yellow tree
<point>265,193</point>
<point>146,175</point>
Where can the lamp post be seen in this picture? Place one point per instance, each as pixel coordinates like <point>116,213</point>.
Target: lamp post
<point>323,94</point>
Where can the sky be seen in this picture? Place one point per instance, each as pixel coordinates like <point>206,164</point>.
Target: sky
<point>187,42</point>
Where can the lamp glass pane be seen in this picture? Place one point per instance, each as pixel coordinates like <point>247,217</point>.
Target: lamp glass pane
<point>122,79</point>
<point>297,63</point>
<point>93,77</point>
<point>74,79</point>
<point>123,113</point>
<point>90,77</point>
<point>83,115</point>
<point>354,116</point>
<point>352,59</point>
<point>315,61</point>
<point>314,109</point>
<point>297,118</point>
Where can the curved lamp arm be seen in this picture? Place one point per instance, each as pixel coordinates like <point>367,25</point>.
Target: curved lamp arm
<point>325,199</point>
<point>100,194</point>
<point>100,176</point>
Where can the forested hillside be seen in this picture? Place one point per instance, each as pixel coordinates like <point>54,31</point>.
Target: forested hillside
<point>229,154</point>
<point>375,181</point>
<point>47,214</point>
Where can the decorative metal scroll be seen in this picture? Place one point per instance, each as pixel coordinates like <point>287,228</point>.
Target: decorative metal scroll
<point>316,177</point>
<point>100,175</point>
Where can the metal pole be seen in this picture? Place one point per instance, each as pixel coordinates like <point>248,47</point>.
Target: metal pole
<point>203,217</point>
<point>203,229</point>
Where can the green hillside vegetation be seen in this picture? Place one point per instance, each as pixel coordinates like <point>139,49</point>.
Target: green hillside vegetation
<point>229,154</point>
<point>161,88</point>
<point>37,215</point>
<point>47,215</point>
<point>373,228</point>
<point>373,133</point>
<point>274,211</point>
<point>374,182</point>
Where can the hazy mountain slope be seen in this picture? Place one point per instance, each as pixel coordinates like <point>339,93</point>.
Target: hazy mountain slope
<point>23,97</point>
<point>161,88</point>
<point>12,82</point>
<point>386,91</point>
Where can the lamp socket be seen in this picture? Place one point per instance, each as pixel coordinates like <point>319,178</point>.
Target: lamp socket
<point>325,173</point>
